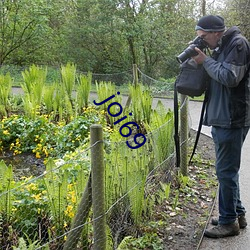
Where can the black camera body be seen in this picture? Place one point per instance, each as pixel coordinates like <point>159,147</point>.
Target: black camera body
<point>190,51</point>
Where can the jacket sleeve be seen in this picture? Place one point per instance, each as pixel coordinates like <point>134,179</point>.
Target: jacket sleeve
<point>234,66</point>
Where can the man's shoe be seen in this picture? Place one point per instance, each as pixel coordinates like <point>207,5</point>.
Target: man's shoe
<point>241,219</point>
<point>221,231</point>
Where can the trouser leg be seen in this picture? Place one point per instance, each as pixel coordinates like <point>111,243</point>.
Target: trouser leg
<point>228,144</point>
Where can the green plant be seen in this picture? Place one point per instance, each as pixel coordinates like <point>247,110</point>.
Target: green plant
<point>160,131</point>
<point>141,109</point>
<point>104,91</point>
<point>6,196</point>
<point>125,172</point>
<point>68,74</point>
<point>83,91</point>
<point>184,181</point>
<point>30,207</point>
<point>164,191</point>
<point>5,90</point>
<point>28,245</point>
<point>147,241</point>
<point>48,98</point>
<point>176,199</point>
<point>34,81</point>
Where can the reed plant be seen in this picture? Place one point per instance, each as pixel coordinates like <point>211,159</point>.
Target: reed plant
<point>62,106</point>
<point>126,172</point>
<point>5,90</point>
<point>56,184</point>
<point>83,91</point>
<point>160,132</point>
<point>48,97</point>
<point>34,80</point>
<point>6,184</point>
<point>141,103</point>
<point>68,74</point>
<point>104,91</point>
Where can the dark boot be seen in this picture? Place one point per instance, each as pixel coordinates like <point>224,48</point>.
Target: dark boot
<point>221,231</point>
<point>241,219</point>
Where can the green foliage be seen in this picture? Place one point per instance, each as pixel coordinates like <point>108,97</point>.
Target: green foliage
<point>161,126</point>
<point>5,91</point>
<point>34,81</point>
<point>43,137</point>
<point>141,103</point>
<point>56,183</point>
<point>104,91</point>
<point>103,36</point>
<point>23,25</point>
<point>48,98</point>
<point>29,245</point>
<point>147,241</point>
<point>68,74</point>
<point>164,191</point>
<point>83,91</point>
<point>125,172</point>
<point>6,184</point>
<point>30,206</point>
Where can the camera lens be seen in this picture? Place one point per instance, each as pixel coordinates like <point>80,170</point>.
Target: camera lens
<point>190,51</point>
<point>187,53</point>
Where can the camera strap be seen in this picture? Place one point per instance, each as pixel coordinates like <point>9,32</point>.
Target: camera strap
<point>199,127</point>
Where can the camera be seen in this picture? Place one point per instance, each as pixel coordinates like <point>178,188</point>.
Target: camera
<point>190,51</point>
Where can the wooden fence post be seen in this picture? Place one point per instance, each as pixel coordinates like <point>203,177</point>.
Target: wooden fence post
<point>98,195</point>
<point>184,135</point>
<point>135,74</point>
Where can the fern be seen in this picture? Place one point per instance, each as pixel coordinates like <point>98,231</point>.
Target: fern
<point>56,184</point>
<point>6,184</point>
<point>68,74</point>
<point>33,85</point>
<point>83,90</point>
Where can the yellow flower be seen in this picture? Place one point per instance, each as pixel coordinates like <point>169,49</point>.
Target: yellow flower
<point>6,132</point>
<point>69,211</point>
<point>73,199</point>
<point>14,209</point>
<point>38,156</point>
<point>37,196</point>
<point>31,187</point>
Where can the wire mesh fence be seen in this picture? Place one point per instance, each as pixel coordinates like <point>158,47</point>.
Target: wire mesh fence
<point>56,209</point>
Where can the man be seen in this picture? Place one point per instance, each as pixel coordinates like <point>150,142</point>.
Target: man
<point>228,112</point>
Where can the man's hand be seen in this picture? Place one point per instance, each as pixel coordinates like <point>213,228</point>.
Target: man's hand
<point>200,58</point>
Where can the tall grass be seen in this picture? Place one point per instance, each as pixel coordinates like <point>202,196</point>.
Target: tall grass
<point>68,74</point>
<point>6,197</point>
<point>83,91</point>
<point>141,105</point>
<point>33,86</point>
<point>104,91</point>
<point>5,90</point>
<point>160,131</point>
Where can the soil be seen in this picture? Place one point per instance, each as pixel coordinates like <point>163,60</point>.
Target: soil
<point>186,223</point>
<point>25,164</point>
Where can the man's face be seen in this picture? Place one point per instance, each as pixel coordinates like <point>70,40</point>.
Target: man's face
<point>211,38</point>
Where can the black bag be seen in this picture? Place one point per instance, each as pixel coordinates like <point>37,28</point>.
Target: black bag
<point>192,80</point>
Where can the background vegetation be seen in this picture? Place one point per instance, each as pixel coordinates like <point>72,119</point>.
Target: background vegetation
<point>104,36</point>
